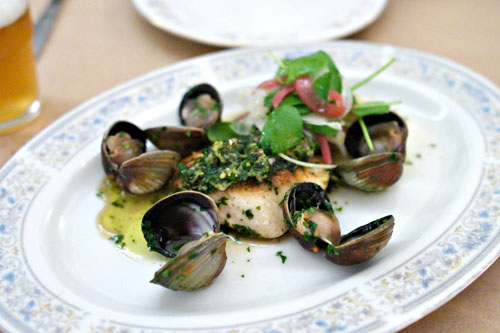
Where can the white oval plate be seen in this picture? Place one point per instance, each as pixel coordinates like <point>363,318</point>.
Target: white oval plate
<point>260,22</point>
<point>58,273</point>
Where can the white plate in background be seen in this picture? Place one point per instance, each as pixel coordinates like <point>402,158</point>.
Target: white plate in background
<point>237,23</point>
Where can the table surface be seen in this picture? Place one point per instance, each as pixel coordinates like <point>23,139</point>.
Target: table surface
<point>99,44</point>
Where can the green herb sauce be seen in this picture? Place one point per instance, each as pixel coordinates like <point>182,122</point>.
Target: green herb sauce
<point>238,160</point>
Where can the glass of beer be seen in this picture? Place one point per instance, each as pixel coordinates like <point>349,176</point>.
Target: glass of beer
<point>18,84</point>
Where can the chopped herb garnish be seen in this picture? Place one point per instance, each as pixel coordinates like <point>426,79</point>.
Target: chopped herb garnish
<point>222,202</point>
<point>248,213</point>
<point>280,254</point>
<point>181,277</point>
<point>242,275</point>
<point>248,249</point>
<point>164,274</point>
<point>125,145</point>
<point>193,255</point>
<point>245,231</point>
<point>284,199</point>
<point>332,250</point>
<point>117,238</point>
<point>201,111</point>
<point>394,158</point>
<point>118,204</point>
<point>188,134</point>
<point>258,207</point>
<point>99,194</point>
<point>178,247</point>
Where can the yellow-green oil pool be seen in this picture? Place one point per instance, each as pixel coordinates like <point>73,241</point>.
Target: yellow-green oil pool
<point>121,218</point>
<point>120,222</point>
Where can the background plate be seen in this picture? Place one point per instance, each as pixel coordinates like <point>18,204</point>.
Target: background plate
<point>58,273</point>
<point>260,22</point>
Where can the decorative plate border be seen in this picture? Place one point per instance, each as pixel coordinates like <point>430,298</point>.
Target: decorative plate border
<point>404,294</point>
<point>159,14</point>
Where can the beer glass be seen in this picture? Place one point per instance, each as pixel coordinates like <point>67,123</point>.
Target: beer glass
<point>18,85</point>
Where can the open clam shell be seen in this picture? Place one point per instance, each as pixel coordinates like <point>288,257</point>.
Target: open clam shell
<point>371,173</point>
<point>362,243</point>
<point>309,216</point>
<point>178,219</point>
<point>147,172</point>
<point>196,265</point>
<point>125,160</point>
<point>185,226</point>
<point>184,140</point>
<point>201,106</point>
<point>388,133</point>
<point>110,161</point>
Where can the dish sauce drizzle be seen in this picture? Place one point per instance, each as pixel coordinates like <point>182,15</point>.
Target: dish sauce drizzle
<point>121,218</point>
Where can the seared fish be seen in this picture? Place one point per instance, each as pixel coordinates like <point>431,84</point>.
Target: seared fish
<point>254,209</point>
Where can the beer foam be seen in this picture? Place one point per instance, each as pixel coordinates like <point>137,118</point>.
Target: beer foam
<point>11,10</point>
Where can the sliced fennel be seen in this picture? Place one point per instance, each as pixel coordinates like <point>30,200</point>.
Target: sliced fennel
<point>307,164</point>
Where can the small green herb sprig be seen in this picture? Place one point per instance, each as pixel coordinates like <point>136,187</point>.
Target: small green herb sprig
<point>370,108</point>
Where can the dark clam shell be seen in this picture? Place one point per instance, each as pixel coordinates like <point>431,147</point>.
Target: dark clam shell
<point>387,131</point>
<point>147,172</point>
<point>195,266</point>
<point>179,219</point>
<point>185,226</point>
<point>184,140</point>
<point>110,167</point>
<point>309,216</point>
<point>353,248</point>
<point>371,173</point>
<point>207,114</point>
<point>128,163</point>
<point>362,243</point>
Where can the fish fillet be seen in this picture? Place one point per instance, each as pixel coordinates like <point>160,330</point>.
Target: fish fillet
<point>257,206</point>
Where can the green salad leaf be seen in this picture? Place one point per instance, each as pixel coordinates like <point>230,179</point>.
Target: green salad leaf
<point>322,85</point>
<point>268,101</point>
<point>321,129</point>
<point>291,99</point>
<point>366,109</point>
<point>283,130</point>
<point>220,131</point>
<point>291,69</point>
